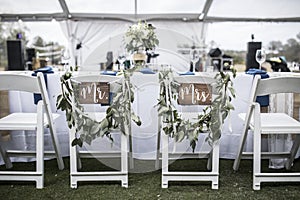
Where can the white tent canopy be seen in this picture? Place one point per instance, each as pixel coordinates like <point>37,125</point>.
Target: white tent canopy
<point>133,10</point>
<point>99,24</point>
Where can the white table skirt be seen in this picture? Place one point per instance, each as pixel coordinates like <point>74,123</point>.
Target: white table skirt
<point>145,136</point>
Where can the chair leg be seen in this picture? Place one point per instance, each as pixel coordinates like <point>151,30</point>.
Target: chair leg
<point>78,159</point>
<point>40,149</point>
<point>294,150</point>
<point>243,140</point>
<point>256,151</point>
<point>56,147</point>
<point>256,162</point>
<point>165,158</point>
<point>124,159</point>
<point>74,157</point>
<point>6,159</point>
<point>214,160</point>
<point>131,161</point>
<point>209,161</point>
<point>238,158</point>
<point>157,150</point>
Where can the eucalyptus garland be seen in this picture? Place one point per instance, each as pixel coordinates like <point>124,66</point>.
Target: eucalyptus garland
<point>118,114</point>
<point>211,118</point>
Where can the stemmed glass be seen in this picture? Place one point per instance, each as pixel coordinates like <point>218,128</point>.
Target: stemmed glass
<point>260,56</point>
<point>121,58</point>
<point>194,56</point>
<point>65,57</point>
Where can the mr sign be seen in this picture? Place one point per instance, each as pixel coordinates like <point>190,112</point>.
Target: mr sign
<point>194,94</point>
<point>94,93</point>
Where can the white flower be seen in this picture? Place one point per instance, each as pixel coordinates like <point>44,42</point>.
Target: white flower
<point>140,35</point>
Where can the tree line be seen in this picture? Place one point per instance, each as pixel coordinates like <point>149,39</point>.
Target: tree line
<point>290,50</point>
<point>8,31</point>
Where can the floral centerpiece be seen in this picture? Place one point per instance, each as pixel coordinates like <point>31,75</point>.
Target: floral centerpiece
<point>140,37</point>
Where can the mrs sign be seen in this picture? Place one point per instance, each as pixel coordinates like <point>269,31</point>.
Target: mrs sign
<point>94,93</point>
<point>194,94</point>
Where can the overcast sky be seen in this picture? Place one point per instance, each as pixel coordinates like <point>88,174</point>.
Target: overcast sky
<point>234,36</point>
<point>49,31</point>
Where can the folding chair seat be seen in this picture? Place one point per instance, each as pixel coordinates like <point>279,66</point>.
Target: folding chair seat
<point>190,112</point>
<point>268,124</point>
<point>101,148</point>
<point>43,118</point>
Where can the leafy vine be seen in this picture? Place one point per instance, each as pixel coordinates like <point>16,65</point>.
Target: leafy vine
<point>211,118</point>
<point>118,114</point>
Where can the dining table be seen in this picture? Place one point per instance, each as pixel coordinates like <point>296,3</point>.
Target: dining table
<point>144,137</point>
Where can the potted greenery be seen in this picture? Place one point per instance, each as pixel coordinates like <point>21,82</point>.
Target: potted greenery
<point>140,37</point>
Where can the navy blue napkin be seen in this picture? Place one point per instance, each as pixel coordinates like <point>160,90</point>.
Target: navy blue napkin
<point>262,100</point>
<point>187,73</point>
<point>45,70</point>
<point>254,71</point>
<point>147,70</point>
<point>110,73</point>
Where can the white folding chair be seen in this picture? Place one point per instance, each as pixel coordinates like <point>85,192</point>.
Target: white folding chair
<point>266,124</point>
<point>29,121</point>
<point>212,174</point>
<point>98,112</point>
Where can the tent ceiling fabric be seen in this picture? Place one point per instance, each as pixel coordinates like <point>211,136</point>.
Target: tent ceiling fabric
<point>133,10</point>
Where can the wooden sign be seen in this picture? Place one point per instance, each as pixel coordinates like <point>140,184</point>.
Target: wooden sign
<point>194,94</point>
<point>94,93</point>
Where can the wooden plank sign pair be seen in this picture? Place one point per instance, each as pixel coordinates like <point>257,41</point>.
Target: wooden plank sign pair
<point>188,94</point>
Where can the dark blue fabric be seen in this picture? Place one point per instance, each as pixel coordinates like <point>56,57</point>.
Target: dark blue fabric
<point>110,99</point>
<point>111,73</point>
<point>45,70</point>
<point>187,73</point>
<point>147,70</point>
<point>262,100</point>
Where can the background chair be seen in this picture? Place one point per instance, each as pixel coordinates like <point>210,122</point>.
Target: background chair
<point>269,123</point>
<point>117,149</point>
<point>212,153</point>
<point>29,122</point>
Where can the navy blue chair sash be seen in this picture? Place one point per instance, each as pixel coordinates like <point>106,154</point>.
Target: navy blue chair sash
<point>45,70</point>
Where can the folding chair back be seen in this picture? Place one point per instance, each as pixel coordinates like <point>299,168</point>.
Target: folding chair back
<point>16,82</point>
<point>97,112</point>
<point>190,111</point>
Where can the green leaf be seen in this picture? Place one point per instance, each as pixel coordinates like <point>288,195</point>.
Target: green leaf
<point>136,119</point>
<point>232,91</point>
<point>162,110</point>
<point>193,145</point>
<point>95,128</point>
<point>88,139</point>
<point>180,135</point>
<point>77,141</point>
<point>104,123</point>
<point>229,106</point>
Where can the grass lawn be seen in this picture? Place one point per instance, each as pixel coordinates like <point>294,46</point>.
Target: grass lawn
<point>232,185</point>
